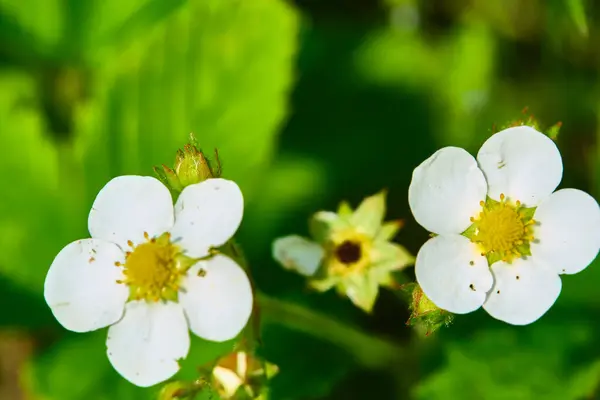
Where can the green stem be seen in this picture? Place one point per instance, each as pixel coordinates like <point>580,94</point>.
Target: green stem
<point>371,351</point>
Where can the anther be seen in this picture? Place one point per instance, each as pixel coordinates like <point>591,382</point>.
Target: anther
<point>129,243</point>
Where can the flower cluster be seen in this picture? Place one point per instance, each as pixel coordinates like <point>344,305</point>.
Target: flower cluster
<point>152,271</point>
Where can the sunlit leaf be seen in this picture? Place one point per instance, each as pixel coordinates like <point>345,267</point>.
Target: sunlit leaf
<point>219,69</point>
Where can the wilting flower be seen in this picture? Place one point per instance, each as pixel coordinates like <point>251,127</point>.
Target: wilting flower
<point>503,236</point>
<point>149,273</point>
<point>351,252</point>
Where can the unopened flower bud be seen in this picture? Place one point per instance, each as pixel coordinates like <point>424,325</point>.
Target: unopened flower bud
<point>191,166</point>
<point>424,312</point>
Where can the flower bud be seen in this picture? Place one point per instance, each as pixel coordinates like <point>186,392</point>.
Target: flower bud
<point>424,312</point>
<point>191,166</point>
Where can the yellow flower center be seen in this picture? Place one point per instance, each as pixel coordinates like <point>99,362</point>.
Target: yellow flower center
<point>153,269</point>
<point>348,252</point>
<point>503,230</point>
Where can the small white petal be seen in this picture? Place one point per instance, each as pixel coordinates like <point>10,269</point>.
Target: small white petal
<point>298,254</point>
<point>521,163</point>
<point>145,346</point>
<point>217,298</point>
<point>81,286</point>
<point>523,291</point>
<point>446,190</point>
<point>128,206</point>
<point>207,214</point>
<point>568,231</point>
<point>444,271</point>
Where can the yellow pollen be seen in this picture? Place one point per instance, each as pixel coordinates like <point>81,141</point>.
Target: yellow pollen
<point>152,269</point>
<point>502,229</point>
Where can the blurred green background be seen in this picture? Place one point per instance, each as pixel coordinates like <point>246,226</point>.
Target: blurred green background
<point>309,102</point>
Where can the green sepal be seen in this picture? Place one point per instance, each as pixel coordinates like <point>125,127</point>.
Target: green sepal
<point>468,233</point>
<point>524,249</point>
<point>527,213</point>
<point>388,230</point>
<point>323,285</point>
<point>388,256</point>
<point>344,209</point>
<point>169,178</point>
<point>424,312</point>
<point>493,256</point>
<point>368,217</point>
<point>361,289</point>
<point>191,166</point>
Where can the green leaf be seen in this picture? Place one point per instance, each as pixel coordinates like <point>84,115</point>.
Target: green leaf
<point>585,382</point>
<point>38,194</point>
<point>510,363</point>
<point>219,69</point>
<point>41,22</point>
<point>577,12</point>
<point>361,289</point>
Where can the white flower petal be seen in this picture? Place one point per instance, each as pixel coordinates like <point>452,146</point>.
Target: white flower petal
<point>207,214</point>
<point>522,163</point>
<point>446,190</point>
<point>81,286</point>
<point>523,291</point>
<point>298,254</point>
<point>453,273</point>
<point>128,206</point>
<point>568,231</point>
<point>146,344</point>
<point>217,298</point>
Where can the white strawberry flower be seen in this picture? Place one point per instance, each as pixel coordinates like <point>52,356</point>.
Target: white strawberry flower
<point>503,236</point>
<point>146,273</point>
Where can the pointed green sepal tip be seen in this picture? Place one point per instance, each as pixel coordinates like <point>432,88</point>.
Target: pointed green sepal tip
<point>169,178</point>
<point>369,215</point>
<point>389,230</point>
<point>529,120</point>
<point>424,313</point>
<point>554,130</point>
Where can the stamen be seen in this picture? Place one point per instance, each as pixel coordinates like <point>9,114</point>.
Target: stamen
<point>503,231</point>
<point>153,269</point>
